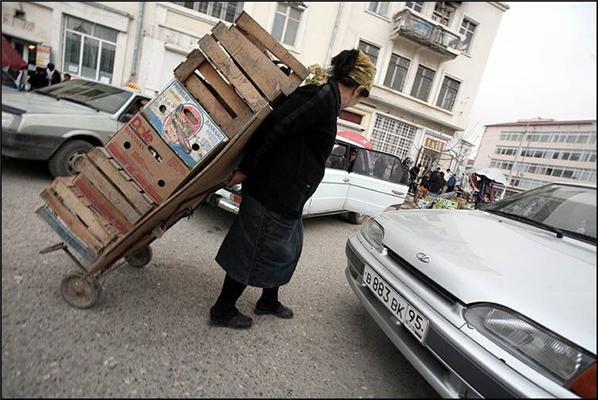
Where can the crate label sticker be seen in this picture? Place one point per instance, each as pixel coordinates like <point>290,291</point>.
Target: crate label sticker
<point>184,124</point>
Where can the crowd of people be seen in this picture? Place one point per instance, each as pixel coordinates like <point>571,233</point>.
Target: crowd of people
<point>432,183</point>
<point>29,79</point>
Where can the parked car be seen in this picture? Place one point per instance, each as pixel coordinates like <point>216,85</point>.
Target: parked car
<point>8,81</point>
<point>367,186</point>
<point>60,123</point>
<point>494,303</point>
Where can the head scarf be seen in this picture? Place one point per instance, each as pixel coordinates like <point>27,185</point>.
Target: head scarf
<point>363,72</point>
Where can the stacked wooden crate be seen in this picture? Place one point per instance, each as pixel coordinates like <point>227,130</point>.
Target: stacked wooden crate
<point>179,147</point>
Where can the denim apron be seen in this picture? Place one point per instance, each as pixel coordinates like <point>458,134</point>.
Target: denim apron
<point>262,247</point>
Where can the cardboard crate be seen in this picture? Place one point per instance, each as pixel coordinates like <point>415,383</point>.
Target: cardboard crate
<point>116,174</point>
<point>147,158</point>
<point>234,80</point>
<point>81,218</point>
<point>184,124</point>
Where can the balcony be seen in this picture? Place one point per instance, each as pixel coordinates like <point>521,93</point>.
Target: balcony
<point>426,33</point>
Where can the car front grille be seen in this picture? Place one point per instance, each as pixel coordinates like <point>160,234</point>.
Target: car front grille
<point>415,273</point>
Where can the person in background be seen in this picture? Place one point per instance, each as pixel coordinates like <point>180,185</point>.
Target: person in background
<point>436,184</point>
<point>413,175</point>
<point>67,77</point>
<point>380,167</point>
<point>435,173</point>
<point>452,182</point>
<point>53,75</point>
<point>352,158</point>
<point>21,79</point>
<point>283,165</point>
<point>38,79</point>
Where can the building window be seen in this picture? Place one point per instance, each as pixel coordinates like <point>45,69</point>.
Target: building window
<point>396,73</point>
<point>443,12</point>
<point>448,93</point>
<point>393,136</point>
<point>423,83</point>
<point>351,117</point>
<point>379,7</point>
<point>286,23</point>
<point>467,29</point>
<point>415,5</point>
<point>89,50</point>
<point>224,10</point>
<point>371,50</point>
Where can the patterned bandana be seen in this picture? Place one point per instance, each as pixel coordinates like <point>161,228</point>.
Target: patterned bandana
<point>363,72</point>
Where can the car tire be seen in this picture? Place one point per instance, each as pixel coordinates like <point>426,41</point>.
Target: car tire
<point>64,161</point>
<point>356,218</point>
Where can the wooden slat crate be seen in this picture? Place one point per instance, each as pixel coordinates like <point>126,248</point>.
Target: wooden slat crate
<point>121,200</point>
<point>233,74</point>
<point>81,217</point>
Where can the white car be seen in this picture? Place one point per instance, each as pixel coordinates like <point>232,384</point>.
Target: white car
<point>365,187</point>
<point>499,302</point>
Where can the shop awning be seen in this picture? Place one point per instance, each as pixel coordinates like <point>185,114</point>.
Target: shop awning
<point>10,57</point>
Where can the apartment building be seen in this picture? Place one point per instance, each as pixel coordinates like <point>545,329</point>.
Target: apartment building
<point>534,152</point>
<point>430,56</point>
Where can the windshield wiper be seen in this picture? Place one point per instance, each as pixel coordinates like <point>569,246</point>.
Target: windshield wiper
<point>520,218</point>
<point>78,102</point>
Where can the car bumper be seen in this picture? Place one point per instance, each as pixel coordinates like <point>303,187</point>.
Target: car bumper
<point>32,147</point>
<point>221,200</point>
<point>450,361</point>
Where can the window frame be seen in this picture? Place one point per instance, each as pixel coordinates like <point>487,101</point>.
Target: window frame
<point>415,81</point>
<point>473,34</point>
<point>299,33</point>
<point>447,6</point>
<point>372,44</point>
<point>82,35</point>
<point>210,8</point>
<point>402,85</point>
<point>438,98</point>
<point>420,3</point>
<point>376,11</point>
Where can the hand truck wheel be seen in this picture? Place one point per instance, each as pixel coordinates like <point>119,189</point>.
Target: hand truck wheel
<point>140,258</point>
<point>80,290</point>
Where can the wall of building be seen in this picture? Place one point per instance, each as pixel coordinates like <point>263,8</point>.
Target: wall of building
<point>508,163</point>
<point>170,32</point>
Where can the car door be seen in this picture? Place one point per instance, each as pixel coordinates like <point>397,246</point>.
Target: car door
<point>331,194</point>
<point>373,183</point>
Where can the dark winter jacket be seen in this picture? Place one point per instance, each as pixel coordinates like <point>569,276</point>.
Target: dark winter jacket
<point>286,157</point>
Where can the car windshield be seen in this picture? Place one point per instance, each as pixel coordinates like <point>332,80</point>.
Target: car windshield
<point>94,94</point>
<point>570,209</point>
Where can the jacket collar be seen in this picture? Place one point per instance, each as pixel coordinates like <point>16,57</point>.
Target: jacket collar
<point>337,95</point>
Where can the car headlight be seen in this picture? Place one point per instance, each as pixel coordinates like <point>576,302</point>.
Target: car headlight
<point>535,345</point>
<point>7,119</point>
<point>374,234</point>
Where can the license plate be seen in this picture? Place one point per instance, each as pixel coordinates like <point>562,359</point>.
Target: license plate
<point>409,316</point>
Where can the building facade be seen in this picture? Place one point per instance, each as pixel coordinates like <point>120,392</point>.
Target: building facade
<point>534,152</point>
<point>430,56</point>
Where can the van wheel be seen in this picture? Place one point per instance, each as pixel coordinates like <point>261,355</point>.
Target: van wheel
<point>356,218</point>
<point>65,161</point>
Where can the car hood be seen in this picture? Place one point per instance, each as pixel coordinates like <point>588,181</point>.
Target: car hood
<point>32,102</point>
<point>481,257</point>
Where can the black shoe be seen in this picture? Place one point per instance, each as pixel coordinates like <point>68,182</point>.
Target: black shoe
<point>237,321</point>
<point>278,310</point>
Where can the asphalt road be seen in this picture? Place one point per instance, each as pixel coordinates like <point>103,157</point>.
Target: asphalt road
<point>148,336</point>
